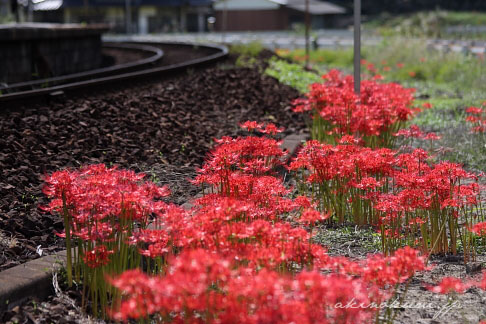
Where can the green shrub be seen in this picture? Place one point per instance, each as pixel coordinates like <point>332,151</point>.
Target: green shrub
<point>293,75</point>
<point>424,24</point>
<point>247,53</point>
<point>328,57</point>
<point>251,49</point>
<point>419,63</point>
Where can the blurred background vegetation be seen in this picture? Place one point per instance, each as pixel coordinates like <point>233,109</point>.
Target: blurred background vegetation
<point>450,81</point>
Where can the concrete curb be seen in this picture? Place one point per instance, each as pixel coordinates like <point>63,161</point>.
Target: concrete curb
<point>291,143</point>
<point>34,278</point>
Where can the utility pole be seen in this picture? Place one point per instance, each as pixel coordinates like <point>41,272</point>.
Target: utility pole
<point>14,7</point>
<point>30,11</point>
<point>224,24</point>
<point>357,46</point>
<point>307,33</point>
<point>128,17</point>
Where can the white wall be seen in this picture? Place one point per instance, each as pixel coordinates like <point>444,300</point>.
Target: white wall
<point>246,5</point>
<point>143,15</point>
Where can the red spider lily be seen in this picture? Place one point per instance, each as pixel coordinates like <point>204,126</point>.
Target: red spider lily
<point>412,131</point>
<point>269,128</point>
<point>251,125</point>
<point>400,193</point>
<point>95,193</point>
<point>240,234</point>
<point>311,216</point>
<point>474,110</point>
<point>97,257</point>
<point>205,286</point>
<point>264,194</point>
<point>303,202</point>
<point>477,117</point>
<point>100,207</point>
<point>157,240</point>
<point>257,242</point>
<point>479,229</point>
<point>379,111</point>
<point>371,68</point>
<point>251,155</point>
<point>415,132</point>
<point>482,283</point>
<point>389,271</point>
<point>450,284</point>
<point>432,137</point>
<point>339,170</point>
<point>232,258</point>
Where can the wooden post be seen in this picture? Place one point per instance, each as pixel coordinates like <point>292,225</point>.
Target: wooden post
<point>357,46</point>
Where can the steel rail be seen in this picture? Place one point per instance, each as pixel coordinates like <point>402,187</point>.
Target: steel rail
<point>221,52</point>
<point>157,54</point>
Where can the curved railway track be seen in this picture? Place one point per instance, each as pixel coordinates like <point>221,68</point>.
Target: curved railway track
<point>148,67</point>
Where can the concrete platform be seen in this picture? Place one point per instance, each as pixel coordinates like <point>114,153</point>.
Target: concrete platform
<point>37,51</point>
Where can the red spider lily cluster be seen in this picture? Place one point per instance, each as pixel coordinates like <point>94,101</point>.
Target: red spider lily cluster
<point>378,112</point>
<point>204,287</point>
<point>356,176</point>
<point>411,200</point>
<point>101,207</point>
<point>477,117</point>
<point>479,229</point>
<point>232,258</point>
<point>268,128</point>
<point>452,285</point>
<point>241,262</point>
<point>415,132</point>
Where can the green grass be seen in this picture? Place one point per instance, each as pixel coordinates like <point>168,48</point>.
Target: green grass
<point>426,23</point>
<point>332,58</point>
<point>451,82</point>
<point>247,53</point>
<point>447,118</point>
<point>293,75</point>
<point>454,71</point>
<point>351,241</point>
<point>251,49</point>
<point>446,113</point>
<point>458,71</point>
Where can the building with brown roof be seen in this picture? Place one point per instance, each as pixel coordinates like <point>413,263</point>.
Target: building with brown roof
<point>258,15</point>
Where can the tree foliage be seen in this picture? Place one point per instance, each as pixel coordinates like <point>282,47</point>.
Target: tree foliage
<point>402,6</point>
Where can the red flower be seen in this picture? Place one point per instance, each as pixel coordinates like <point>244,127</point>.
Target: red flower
<point>97,257</point>
<point>450,284</point>
<point>479,229</point>
<point>379,109</point>
<point>269,128</point>
<point>311,216</point>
